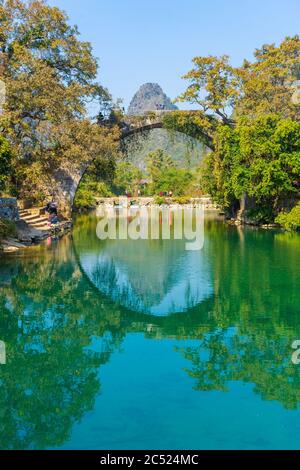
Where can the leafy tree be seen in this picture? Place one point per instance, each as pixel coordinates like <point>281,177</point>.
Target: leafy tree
<point>265,85</point>
<point>127,177</point>
<point>89,191</point>
<point>50,79</point>
<point>174,179</point>
<point>290,220</point>
<point>214,86</point>
<point>258,160</point>
<point>223,92</point>
<point>5,163</point>
<point>157,162</point>
<point>165,176</point>
<point>51,377</point>
<point>268,83</point>
<point>194,124</point>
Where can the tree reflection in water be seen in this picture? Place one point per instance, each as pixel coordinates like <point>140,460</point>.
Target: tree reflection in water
<point>51,314</point>
<point>48,319</point>
<point>151,276</point>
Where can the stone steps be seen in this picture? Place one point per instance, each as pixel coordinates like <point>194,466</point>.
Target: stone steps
<point>32,228</point>
<point>34,218</point>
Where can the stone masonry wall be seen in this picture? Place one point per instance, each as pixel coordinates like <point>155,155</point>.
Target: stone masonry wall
<point>9,209</point>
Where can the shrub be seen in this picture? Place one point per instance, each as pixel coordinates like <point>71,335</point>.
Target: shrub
<point>7,229</point>
<point>159,200</point>
<point>5,163</point>
<point>174,179</point>
<point>182,200</point>
<point>89,191</point>
<point>290,220</point>
<point>261,215</point>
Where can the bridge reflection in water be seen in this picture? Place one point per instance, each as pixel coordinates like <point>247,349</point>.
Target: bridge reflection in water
<point>81,371</point>
<point>158,277</point>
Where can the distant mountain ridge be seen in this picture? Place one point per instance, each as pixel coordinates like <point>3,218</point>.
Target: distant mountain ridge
<point>149,97</point>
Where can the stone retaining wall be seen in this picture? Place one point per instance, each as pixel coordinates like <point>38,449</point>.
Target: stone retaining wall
<point>9,209</point>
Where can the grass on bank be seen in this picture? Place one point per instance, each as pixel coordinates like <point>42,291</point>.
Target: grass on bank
<point>7,229</point>
<point>290,220</point>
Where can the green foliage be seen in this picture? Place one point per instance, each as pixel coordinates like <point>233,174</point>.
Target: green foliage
<point>268,84</point>
<point>162,174</point>
<point>263,86</point>
<point>261,214</point>
<point>116,114</point>
<point>174,179</point>
<point>5,163</point>
<point>160,200</point>
<point>195,124</point>
<point>50,77</point>
<point>182,199</point>
<point>290,220</point>
<point>84,198</point>
<point>7,229</point>
<point>127,178</point>
<point>89,191</point>
<point>249,116</point>
<point>258,160</point>
<point>158,162</point>
<point>213,84</point>
<point>123,177</point>
<point>186,152</point>
<point>165,176</point>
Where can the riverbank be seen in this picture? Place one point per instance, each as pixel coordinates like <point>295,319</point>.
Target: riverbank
<point>205,201</point>
<point>250,223</point>
<point>32,227</point>
<point>24,236</point>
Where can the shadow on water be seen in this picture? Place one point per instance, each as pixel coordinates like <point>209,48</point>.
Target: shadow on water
<point>234,320</point>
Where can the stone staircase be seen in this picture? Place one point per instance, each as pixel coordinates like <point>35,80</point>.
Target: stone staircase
<point>34,218</point>
<point>32,228</point>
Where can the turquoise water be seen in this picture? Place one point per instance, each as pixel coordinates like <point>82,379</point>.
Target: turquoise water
<point>143,345</point>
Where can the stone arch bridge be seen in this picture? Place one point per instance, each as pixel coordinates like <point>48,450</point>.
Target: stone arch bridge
<point>67,178</point>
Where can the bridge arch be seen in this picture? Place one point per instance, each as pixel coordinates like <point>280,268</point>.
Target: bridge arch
<point>67,179</point>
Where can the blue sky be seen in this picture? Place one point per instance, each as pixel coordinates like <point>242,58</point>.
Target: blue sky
<point>140,41</point>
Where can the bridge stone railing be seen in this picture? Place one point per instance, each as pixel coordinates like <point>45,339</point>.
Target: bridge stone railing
<point>150,120</point>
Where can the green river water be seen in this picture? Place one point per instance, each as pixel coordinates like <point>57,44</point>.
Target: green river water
<point>124,344</point>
